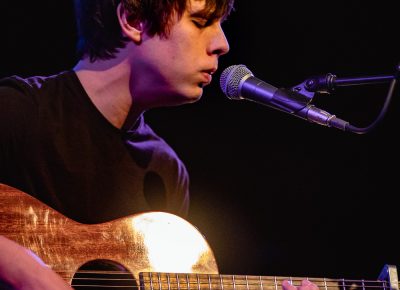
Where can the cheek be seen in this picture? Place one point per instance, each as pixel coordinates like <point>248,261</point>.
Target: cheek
<point>179,47</point>
<point>177,55</point>
<point>183,43</point>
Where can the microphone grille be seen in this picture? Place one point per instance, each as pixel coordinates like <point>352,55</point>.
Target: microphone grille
<point>230,80</point>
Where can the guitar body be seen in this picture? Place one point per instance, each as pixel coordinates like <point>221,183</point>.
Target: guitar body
<point>158,250</point>
<point>147,242</point>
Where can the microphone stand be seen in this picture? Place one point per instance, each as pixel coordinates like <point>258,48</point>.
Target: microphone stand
<point>327,83</point>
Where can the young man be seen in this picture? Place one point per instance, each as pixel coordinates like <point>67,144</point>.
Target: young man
<point>78,141</point>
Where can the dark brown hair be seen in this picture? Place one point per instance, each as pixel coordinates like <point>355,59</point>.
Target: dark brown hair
<point>99,32</point>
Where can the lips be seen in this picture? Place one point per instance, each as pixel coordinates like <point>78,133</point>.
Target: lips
<point>207,77</point>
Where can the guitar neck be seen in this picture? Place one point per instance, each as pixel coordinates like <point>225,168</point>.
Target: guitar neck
<point>180,281</point>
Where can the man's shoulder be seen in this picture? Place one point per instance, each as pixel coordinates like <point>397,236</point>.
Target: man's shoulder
<point>15,94</point>
<point>16,90</point>
<point>13,85</point>
<point>21,97</point>
<point>30,83</point>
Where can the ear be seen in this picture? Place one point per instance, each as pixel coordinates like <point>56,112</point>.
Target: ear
<point>130,28</point>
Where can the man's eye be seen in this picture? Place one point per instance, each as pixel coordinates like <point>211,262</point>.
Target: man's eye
<point>200,23</point>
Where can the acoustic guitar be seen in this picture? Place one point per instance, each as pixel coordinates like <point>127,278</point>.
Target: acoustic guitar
<point>151,250</point>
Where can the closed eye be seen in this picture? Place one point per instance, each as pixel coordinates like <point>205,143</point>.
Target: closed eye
<point>201,22</point>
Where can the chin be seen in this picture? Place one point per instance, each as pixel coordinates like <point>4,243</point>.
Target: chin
<point>194,99</point>
<point>182,100</point>
<point>187,95</point>
<point>189,100</point>
<point>192,96</point>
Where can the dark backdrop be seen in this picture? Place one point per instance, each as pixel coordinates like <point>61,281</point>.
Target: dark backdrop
<point>273,194</point>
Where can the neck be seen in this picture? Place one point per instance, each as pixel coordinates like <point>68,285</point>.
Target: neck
<point>107,84</point>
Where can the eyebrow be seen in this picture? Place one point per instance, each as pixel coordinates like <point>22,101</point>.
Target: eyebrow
<point>209,13</point>
<point>200,13</point>
<point>206,14</point>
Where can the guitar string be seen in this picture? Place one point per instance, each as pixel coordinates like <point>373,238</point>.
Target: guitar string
<point>249,279</point>
<point>102,286</point>
<point>217,276</point>
<point>237,278</point>
<point>234,284</point>
<point>250,282</point>
<point>237,285</point>
<point>247,284</point>
<point>140,287</point>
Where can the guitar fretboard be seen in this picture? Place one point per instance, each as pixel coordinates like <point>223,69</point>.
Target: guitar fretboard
<point>181,281</point>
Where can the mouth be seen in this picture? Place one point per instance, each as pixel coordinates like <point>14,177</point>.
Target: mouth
<point>207,76</point>
<point>206,80</point>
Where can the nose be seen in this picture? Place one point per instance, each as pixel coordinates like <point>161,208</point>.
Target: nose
<point>219,44</point>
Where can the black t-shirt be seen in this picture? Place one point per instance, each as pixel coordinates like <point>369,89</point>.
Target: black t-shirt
<point>56,146</point>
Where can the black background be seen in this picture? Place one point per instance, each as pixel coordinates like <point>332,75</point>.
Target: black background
<point>273,194</point>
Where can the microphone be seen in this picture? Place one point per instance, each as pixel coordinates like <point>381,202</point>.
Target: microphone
<point>238,83</point>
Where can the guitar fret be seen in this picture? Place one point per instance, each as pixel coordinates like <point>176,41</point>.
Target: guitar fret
<point>187,281</point>
<point>198,282</point>
<point>178,285</point>
<point>233,282</point>
<point>151,281</point>
<point>159,281</point>
<point>385,287</point>
<point>168,282</point>
<point>209,282</point>
<point>276,283</point>
<point>261,282</point>
<point>221,279</point>
<point>325,284</point>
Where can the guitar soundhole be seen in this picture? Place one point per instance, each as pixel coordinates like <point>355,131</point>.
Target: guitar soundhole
<point>103,274</point>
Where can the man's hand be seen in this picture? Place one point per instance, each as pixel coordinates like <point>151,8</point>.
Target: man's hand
<point>305,285</point>
<point>21,269</point>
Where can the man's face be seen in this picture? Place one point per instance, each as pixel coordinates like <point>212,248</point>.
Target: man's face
<point>173,70</point>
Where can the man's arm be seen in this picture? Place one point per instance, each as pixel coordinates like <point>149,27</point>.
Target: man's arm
<point>22,269</point>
